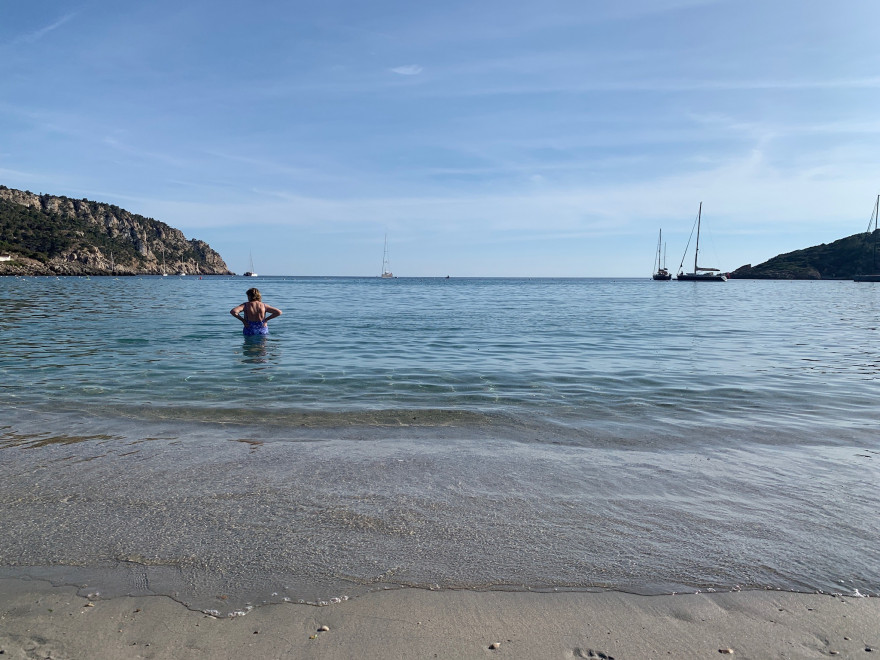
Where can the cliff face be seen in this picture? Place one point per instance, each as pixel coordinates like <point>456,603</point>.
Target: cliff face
<point>47,234</point>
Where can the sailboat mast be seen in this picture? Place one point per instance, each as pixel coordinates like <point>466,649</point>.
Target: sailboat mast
<point>876,214</point>
<point>659,241</point>
<point>697,249</point>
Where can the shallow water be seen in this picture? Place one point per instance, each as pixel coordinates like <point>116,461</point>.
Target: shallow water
<point>517,434</point>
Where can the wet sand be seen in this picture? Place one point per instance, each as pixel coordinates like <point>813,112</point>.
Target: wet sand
<point>38,620</point>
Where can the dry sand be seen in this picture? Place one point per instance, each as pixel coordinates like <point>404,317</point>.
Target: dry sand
<point>41,621</point>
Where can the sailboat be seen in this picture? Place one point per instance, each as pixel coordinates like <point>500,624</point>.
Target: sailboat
<point>875,277</point>
<point>386,274</point>
<point>164,274</point>
<point>701,273</point>
<point>251,272</point>
<point>660,272</point>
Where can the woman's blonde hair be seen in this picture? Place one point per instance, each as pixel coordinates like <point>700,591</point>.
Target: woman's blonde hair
<point>254,294</point>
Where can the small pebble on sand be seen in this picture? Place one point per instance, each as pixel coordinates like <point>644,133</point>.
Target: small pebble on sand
<point>725,651</point>
<point>495,645</point>
<point>324,629</point>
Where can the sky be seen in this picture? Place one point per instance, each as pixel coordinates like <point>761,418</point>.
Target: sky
<point>483,138</point>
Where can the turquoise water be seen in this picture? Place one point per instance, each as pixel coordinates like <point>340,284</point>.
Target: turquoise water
<point>477,433</point>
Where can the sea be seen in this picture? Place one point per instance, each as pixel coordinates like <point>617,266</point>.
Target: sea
<point>439,433</point>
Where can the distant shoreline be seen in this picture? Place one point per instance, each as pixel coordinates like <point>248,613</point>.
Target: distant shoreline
<point>633,278</point>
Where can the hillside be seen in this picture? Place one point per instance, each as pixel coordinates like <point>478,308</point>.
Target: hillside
<point>842,259</point>
<point>52,235</point>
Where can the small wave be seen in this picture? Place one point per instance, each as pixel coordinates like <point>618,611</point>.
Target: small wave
<point>313,419</point>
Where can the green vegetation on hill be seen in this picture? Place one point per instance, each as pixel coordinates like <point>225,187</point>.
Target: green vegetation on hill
<point>42,236</point>
<point>842,259</point>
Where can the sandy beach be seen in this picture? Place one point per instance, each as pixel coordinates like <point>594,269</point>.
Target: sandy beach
<point>38,620</point>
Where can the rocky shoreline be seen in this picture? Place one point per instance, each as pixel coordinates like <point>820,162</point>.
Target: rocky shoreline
<point>19,266</point>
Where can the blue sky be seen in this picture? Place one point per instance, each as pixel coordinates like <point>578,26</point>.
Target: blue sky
<point>489,138</point>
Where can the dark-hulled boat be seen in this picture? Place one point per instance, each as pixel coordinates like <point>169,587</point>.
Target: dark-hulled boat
<point>701,273</point>
<point>660,272</point>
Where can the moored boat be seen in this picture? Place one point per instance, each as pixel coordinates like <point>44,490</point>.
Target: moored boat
<point>660,272</point>
<point>874,276</point>
<point>701,273</point>
<point>251,272</point>
<point>386,272</point>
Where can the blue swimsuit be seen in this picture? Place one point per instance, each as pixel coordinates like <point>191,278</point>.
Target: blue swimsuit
<point>253,328</point>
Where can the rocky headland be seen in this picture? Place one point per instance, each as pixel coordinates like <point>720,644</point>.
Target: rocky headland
<point>56,235</point>
<point>841,260</point>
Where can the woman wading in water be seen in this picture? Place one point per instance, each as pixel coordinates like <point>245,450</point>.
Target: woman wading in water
<point>256,314</point>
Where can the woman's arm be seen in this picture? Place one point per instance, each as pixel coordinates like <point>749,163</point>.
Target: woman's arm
<point>273,312</point>
<point>235,311</point>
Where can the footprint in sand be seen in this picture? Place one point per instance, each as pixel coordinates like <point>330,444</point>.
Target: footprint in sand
<point>590,654</point>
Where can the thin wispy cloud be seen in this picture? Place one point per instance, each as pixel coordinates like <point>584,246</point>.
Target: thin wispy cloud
<point>408,70</point>
<point>177,160</point>
<point>261,164</point>
<point>748,189</point>
<point>650,86</point>
<point>32,37</point>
